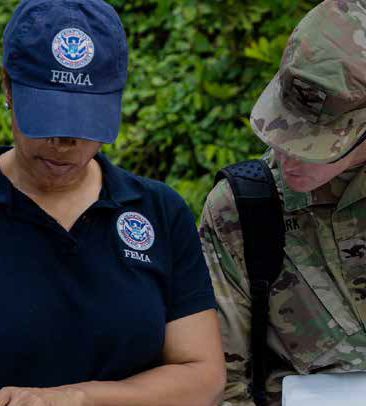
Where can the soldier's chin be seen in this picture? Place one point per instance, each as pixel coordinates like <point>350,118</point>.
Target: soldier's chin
<point>299,183</point>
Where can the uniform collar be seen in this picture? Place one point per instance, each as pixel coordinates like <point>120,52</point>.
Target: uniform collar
<point>292,200</point>
<point>341,192</point>
<point>119,186</point>
<point>356,189</point>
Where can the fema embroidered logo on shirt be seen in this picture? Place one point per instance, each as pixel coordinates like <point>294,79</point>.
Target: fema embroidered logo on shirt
<point>135,231</point>
<point>72,48</point>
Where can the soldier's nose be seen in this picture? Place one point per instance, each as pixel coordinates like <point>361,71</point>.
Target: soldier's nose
<point>280,156</point>
<point>285,159</point>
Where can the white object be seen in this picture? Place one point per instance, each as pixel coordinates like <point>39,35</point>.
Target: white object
<point>325,389</point>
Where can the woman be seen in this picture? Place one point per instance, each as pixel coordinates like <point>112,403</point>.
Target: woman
<point>312,115</point>
<point>105,296</point>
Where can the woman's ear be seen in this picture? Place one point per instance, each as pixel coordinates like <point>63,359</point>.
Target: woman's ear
<point>6,82</point>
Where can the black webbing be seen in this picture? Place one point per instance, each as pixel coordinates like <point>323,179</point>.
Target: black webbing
<point>263,228</point>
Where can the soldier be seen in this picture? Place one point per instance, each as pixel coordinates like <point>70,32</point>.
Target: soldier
<point>313,117</point>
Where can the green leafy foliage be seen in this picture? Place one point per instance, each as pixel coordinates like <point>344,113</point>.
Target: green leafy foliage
<point>195,71</point>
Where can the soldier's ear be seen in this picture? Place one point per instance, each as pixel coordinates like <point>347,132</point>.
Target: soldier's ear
<point>6,83</point>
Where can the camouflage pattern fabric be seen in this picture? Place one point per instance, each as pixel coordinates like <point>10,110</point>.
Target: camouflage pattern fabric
<point>315,107</point>
<point>318,302</point>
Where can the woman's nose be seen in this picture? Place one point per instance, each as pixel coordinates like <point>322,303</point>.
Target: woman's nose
<point>62,144</point>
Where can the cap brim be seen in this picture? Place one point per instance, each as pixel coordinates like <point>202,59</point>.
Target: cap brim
<point>48,113</point>
<point>296,136</point>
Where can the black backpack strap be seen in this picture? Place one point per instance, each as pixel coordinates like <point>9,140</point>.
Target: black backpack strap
<point>261,220</point>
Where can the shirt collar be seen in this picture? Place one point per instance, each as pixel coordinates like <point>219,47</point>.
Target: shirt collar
<point>5,185</point>
<point>120,186</point>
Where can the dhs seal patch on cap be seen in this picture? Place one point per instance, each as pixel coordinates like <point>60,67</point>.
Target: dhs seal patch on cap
<point>72,48</point>
<point>135,231</point>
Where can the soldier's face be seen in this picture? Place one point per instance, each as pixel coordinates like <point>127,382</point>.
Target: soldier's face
<point>304,177</point>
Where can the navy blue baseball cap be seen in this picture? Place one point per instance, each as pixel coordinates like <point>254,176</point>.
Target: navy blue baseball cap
<point>67,60</point>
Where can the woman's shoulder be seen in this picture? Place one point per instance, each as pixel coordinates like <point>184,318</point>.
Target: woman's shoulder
<point>157,189</point>
<point>118,175</point>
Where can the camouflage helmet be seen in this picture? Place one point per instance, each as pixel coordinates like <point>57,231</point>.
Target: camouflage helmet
<point>314,108</point>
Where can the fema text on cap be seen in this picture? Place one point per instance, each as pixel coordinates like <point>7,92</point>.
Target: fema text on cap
<point>80,79</point>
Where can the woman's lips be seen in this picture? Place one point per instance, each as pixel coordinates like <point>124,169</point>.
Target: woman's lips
<point>57,167</point>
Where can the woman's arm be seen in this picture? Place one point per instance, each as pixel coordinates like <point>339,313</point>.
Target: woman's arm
<point>193,375</point>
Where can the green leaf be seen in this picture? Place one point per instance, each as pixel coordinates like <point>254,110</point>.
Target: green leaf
<point>201,44</point>
<point>221,91</point>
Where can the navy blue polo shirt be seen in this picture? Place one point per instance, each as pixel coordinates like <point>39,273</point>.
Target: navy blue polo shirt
<point>93,303</point>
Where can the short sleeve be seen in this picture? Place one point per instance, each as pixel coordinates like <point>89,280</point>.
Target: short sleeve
<point>191,286</point>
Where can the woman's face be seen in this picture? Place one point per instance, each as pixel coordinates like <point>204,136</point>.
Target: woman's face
<point>53,162</point>
<point>304,177</point>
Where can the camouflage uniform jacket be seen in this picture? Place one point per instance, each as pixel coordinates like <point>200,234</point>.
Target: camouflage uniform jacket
<point>317,304</point>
